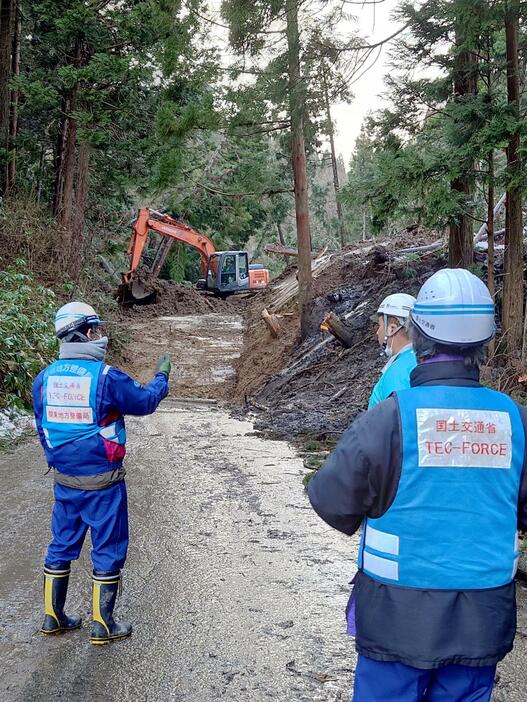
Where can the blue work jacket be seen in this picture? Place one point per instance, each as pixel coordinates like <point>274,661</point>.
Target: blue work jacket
<point>79,408</point>
<point>395,376</point>
<point>435,615</point>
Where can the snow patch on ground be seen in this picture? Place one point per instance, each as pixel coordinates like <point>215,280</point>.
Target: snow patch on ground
<point>14,423</point>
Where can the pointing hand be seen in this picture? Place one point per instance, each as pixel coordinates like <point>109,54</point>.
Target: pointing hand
<point>164,365</point>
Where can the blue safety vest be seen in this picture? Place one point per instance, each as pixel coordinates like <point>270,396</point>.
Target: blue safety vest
<point>70,404</point>
<point>453,521</point>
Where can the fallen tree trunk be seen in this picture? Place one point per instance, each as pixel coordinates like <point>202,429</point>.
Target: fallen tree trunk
<point>338,327</point>
<point>287,289</point>
<point>281,250</point>
<point>421,249</point>
<point>484,244</point>
<point>482,232</point>
<point>272,323</point>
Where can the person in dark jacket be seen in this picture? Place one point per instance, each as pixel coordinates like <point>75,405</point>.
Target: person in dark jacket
<point>435,474</point>
<point>79,404</point>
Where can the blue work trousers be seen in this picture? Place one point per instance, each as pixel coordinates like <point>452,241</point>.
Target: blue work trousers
<point>104,512</point>
<point>376,681</point>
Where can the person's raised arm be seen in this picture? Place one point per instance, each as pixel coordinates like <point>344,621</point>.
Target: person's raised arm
<point>130,397</point>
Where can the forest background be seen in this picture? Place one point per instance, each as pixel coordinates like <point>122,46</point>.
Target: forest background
<point>108,105</point>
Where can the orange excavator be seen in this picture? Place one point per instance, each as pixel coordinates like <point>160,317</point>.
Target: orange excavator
<point>225,272</point>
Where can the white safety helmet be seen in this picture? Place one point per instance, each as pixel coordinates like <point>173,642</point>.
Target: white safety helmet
<point>397,305</point>
<point>455,307</point>
<point>73,316</point>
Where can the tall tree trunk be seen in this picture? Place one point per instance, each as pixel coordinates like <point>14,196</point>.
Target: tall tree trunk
<point>297,110</point>
<point>491,284</point>
<point>334,164</point>
<point>40,172</point>
<point>513,294</point>
<point>66,167</point>
<point>6,33</point>
<point>77,249</point>
<point>58,159</point>
<point>460,241</point>
<point>68,170</point>
<point>65,151</point>
<point>13,120</point>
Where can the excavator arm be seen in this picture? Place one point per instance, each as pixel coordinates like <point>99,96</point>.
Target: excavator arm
<point>151,221</point>
<point>148,220</point>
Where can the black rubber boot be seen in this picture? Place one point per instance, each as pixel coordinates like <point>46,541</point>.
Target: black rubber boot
<point>105,629</point>
<point>55,591</point>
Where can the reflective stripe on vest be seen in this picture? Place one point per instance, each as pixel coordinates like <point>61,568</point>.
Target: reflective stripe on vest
<point>452,524</point>
<point>98,481</point>
<point>70,401</point>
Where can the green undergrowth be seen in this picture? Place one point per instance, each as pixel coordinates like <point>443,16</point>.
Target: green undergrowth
<point>314,452</point>
<point>27,339</point>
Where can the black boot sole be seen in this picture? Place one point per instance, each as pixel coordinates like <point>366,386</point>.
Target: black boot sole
<point>110,639</point>
<point>60,630</point>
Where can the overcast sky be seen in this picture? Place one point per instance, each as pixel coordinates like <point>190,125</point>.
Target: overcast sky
<point>375,25</point>
<point>372,23</point>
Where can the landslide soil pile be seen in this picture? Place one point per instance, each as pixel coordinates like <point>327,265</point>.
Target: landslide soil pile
<point>202,333</point>
<point>317,387</point>
<point>178,300</point>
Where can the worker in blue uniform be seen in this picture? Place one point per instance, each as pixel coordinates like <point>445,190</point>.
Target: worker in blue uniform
<point>436,474</point>
<point>392,335</point>
<point>79,404</point>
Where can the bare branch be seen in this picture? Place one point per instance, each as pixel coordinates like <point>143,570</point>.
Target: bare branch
<point>365,47</point>
<point>270,192</point>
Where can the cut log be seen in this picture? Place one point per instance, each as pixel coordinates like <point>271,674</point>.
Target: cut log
<point>338,327</point>
<point>421,249</point>
<point>281,250</point>
<point>272,323</point>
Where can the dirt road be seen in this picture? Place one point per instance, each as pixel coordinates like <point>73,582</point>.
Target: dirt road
<point>235,589</point>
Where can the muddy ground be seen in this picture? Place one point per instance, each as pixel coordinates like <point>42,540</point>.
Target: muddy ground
<point>203,348</point>
<point>235,588</point>
<point>180,299</point>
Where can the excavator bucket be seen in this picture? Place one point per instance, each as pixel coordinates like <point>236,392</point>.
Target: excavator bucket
<point>134,293</point>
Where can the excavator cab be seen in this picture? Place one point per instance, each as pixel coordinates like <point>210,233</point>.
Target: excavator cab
<point>229,272</point>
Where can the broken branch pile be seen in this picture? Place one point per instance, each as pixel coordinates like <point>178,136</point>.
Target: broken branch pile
<point>317,387</point>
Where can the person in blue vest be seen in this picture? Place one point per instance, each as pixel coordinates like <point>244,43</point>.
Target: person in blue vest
<point>392,335</point>
<point>79,405</point>
<point>437,476</point>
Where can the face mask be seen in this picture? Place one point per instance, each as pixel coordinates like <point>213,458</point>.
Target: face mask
<point>387,350</point>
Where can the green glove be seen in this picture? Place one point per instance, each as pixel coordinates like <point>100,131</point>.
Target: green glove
<point>164,365</point>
